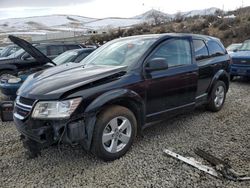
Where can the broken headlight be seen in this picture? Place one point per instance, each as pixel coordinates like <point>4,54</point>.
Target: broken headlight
<point>55,109</point>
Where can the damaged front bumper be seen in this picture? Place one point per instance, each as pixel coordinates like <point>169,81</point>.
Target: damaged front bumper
<point>49,132</point>
<point>76,129</point>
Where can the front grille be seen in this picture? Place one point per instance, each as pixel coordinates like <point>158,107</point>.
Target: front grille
<point>23,107</point>
<point>241,61</point>
<point>26,101</point>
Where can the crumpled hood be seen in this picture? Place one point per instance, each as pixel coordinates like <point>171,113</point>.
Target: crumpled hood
<point>241,54</point>
<point>52,83</point>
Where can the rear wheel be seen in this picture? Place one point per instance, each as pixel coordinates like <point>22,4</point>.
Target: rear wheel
<point>218,97</point>
<point>114,133</point>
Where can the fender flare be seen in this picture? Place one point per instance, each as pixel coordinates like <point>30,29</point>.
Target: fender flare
<point>90,113</point>
<point>220,75</point>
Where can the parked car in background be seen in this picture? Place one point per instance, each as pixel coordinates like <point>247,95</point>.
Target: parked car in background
<point>8,50</point>
<point>233,47</point>
<point>119,89</point>
<point>27,57</point>
<point>241,61</point>
<point>10,84</point>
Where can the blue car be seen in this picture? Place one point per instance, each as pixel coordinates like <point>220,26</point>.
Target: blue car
<point>241,61</point>
<point>10,84</point>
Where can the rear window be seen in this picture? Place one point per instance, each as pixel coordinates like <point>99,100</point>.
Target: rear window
<point>215,49</point>
<point>200,49</point>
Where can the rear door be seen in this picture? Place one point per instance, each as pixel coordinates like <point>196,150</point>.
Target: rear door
<point>210,58</point>
<point>173,90</point>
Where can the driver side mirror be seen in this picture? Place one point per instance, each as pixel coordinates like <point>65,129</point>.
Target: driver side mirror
<point>156,64</point>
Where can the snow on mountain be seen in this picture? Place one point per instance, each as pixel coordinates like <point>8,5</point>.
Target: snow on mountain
<point>112,23</point>
<point>57,23</point>
<point>209,11</point>
<point>42,22</point>
<point>151,14</point>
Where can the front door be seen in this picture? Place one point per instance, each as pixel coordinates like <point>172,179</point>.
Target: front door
<point>174,89</point>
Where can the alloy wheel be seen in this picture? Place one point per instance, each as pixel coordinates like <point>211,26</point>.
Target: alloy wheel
<point>116,134</point>
<point>219,96</point>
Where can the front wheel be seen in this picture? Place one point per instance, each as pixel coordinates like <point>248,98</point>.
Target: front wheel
<point>114,133</point>
<point>218,97</point>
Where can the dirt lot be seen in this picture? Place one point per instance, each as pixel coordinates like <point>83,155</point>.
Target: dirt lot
<point>225,134</point>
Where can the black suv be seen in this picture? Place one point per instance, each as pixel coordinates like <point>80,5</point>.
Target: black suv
<point>113,94</point>
<point>27,57</point>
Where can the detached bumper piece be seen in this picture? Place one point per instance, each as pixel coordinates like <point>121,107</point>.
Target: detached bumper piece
<point>6,110</point>
<point>221,168</point>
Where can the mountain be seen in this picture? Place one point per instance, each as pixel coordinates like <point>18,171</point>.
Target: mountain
<point>151,14</point>
<point>203,12</point>
<point>41,25</point>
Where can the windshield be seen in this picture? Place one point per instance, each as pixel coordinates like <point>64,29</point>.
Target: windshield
<point>233,47</point>
<point>119,53</point>
<point>4,50</point>
<point>65,57</point>
<point>17,53</point>
<point>245,46</point>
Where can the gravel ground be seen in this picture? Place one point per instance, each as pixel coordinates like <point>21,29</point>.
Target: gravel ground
<point>225,134</point>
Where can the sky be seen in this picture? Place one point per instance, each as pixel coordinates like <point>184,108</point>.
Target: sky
<point>108,8</point>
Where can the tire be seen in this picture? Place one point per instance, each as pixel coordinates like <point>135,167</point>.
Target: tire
<point>6,72</point>
<point>104,146</point>
<point>218,96</point>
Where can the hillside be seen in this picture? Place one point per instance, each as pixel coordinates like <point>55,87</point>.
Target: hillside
<point>44,24</point>
<point>231,27</point>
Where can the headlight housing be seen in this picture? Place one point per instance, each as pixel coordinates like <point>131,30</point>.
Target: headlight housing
<point>55,109</point>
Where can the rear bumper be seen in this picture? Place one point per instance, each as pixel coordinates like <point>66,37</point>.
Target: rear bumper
<point>240,70</point>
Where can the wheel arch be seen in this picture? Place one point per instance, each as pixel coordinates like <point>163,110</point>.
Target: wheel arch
<point>221,75</point>
<point>122,97</point>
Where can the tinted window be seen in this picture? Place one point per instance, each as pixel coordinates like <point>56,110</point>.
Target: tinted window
<point>176,52</point>
<point>55,49</point>
<point>215,49</point>
<point>200,49</point>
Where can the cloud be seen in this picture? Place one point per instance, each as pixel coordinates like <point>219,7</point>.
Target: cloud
<point>39,3</point>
